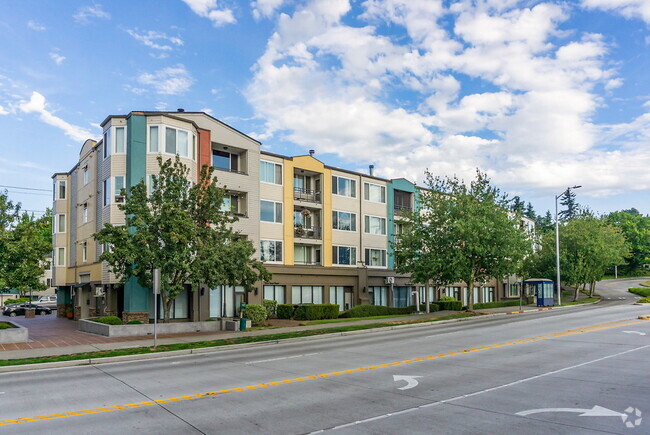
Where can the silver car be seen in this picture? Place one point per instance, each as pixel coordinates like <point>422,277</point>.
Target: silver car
<point>46,301</point>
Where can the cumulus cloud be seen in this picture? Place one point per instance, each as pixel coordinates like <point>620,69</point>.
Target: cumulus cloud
<point>173,80</point>
<point>3,111</point>
<point>35,25</point>
<point>87,13</point>
<point>627,8</point>
<point>156,40</point>
<point>337,88</point>
<point>37,104</point>
<point>211,10</point>
<point>265,8</point>
<point>57,58</point>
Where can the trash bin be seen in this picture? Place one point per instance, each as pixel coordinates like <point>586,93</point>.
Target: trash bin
<point>242,324</point>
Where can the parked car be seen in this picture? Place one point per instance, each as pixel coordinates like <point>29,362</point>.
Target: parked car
<point>46,301</point>
<point>13,310</point>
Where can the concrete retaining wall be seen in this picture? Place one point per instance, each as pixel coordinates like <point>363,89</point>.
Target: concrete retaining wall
<point>18,334</point>
<point>146,329</point>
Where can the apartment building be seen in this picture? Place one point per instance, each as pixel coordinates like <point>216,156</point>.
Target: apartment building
<point>326,234</point>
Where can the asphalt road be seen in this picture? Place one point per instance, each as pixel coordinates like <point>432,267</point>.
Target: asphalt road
<point>575,370</point>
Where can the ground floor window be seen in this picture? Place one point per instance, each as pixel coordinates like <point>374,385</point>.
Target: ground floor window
<point>514,290</point>
<point>341,296</point>
<point>423,294</point>
<point>274,293</point>
<point>488,294</point>
<point>225,300</point>
<point>306,294</point>
<point>401,296</point>
<point>454,292</point>
<point>379,296</point>
<point>180,308</point>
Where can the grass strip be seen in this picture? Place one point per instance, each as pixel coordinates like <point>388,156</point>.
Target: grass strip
<point>646,283</point>
<point>581,301</point>
<point>217,343</point>
<point>645,292</point>
<point>343,319</point>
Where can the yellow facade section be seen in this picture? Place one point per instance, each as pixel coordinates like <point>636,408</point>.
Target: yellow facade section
<point>310,164</point>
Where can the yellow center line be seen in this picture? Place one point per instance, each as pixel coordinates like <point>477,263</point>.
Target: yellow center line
<point>582,330</point>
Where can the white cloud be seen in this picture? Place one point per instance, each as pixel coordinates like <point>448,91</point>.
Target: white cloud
<point>161,106</point>
<point>37,104</point>
<point>174,80</point>
<point>627,8</point>
<point>57,58</point>
<point>336,88</point>
<point>156,40</point>
<point>265,8</point>
<point>3,111</point>
<point>85,14</point>
<point>35,25</point>
<point>211,10</point>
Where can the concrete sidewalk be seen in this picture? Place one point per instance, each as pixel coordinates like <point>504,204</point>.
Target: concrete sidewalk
<point>132,342</point>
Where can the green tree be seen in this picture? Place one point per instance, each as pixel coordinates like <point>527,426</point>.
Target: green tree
<point>180,229</point>
<point>530,212</point>
<point>544,223</point>
<point>9,214</point>
<point>572,207</point>
<point>463,233</point>
<point>517,205</point>
<point>636,229</point>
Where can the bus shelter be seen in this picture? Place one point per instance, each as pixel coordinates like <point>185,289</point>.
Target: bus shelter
<point>544,289</point>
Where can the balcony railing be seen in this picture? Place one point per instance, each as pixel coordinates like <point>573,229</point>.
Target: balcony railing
<point>307,232</point>
<point>306,195</point>
<point>306,263</point>
<point>402,209</point>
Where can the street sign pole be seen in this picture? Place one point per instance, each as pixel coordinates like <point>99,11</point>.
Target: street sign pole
<point>156,292</point>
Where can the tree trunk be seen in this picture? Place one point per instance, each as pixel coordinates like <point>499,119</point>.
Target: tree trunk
<point>592,288</point>
<point>167,306</point>
<point>575,293</point>
<point>470,293</point>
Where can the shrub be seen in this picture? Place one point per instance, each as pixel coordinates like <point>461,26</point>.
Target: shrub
<point>285,311</point>
<point>16,301</point>
<point>375,310</point>
<point>449,305</point>
<point>256,313</point>
<point>133,322</point>
<point>447,298</point>
<point>433,307</point>
<point>4,325</point>
<point>316,312</point>
<point>271,308</point>
<point>645,292</point>
<point>109,320</point>
<point>496,304</point>
<point>645,300</point>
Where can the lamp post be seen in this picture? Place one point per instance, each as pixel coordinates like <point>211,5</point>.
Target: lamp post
<point>557,243</point>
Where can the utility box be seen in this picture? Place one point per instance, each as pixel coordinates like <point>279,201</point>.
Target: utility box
<point>544,291</point>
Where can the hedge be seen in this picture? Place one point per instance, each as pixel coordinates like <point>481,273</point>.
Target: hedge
<point>644,300</point>
<point>16,301</point>
<point>433,307</point>
<point>285,311</point>
<point>316,312</point>
<point>449,305</point>
<point>375,310</point>
<point>271,308</point>
<point>640,291</point>
<point>256,313</point>
<point>498,304</point>
<point>109,320</point>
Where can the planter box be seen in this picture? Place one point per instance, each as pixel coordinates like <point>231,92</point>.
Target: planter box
<point>19,334</point>
<point>147,328</point>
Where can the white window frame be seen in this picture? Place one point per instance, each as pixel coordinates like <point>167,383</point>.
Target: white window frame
<point>281,172</point>
<point>381,187</point>
<point>58,223</point>
<point>114,139</point>
<point>281,242</point>
<point>85,175</point>
<point>84,213</point>
<point>369,255</point>
<point>335,258</point>
<point>312,287</point>
<point>84,252</point>
<point>57,189</point>
<point>107,140</point>
<point>162,141</point>
<point>274,211</point>
<point>114,187</point>
<point>366,228</point>
<point>58,257</point>
<point>276,289</point>
<point>149,151</point>
<point>106,192</point>
<point>356,220</point>
<point>354,190</point>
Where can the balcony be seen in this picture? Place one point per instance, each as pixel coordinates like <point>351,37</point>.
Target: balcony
<point>307,232</point>
<point>306,255</point>
<point>307,195</point>
<point>401,210</point>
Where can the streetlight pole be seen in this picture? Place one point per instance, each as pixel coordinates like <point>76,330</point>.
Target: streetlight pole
<point>557,243</point>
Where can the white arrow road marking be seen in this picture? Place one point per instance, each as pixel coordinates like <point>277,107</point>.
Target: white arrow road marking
<point>634,332</point>
<point>596,411</point>
<point>410,381</point>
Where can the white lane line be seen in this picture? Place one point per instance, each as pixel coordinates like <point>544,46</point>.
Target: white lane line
<point>487,390</point>
<point>281,358</point>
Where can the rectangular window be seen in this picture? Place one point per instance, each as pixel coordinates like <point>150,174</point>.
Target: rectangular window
<point>341,296</point>
<point>344,221</point>
<point>153,139</point>
<point>60,257</point>
<point>274,293</point>
<point>107,191</point>
<point>375,225</point>
<point>271,211</point>
<point>225,160</point>
<point>170,140</point>
<point>270,172</point>
<point>306,294</point>
<point>344,187</point>
<point>119,185</point>
<point>60,191</point>
<point>271,251</point>
<point>183,144</point>
<point>84,252</point>
<point>85,171</point>
<point>85,214</point>
<point>107,143</point>
<point>374,192</point>
<point>379,296</point>
<point>344,255</point>
<point>514,290</point>
<point>375,257</point>
<point>60,227</point>
<point>120,140</point>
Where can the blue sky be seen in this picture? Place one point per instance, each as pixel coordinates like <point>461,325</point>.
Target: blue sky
<point>539,94</point>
